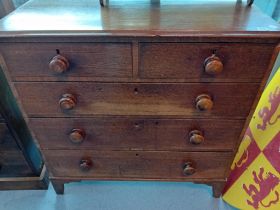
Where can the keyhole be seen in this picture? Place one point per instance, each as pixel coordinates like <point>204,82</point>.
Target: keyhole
<point>137,126</point>
<point>214,52</point>
<point>136,91</point>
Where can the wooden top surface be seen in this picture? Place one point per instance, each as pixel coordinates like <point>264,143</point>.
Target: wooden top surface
<point>138,17</point>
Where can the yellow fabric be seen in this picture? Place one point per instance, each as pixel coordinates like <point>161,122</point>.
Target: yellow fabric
<point>254,182</point>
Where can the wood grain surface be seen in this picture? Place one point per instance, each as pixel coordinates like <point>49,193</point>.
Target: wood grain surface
<point>138,164</point>
<point>132,18</point>
<point>108,133</point>
<point>230,100</point>
<point>186,60</point>
<point>86,60</point>
<point>134,79</point>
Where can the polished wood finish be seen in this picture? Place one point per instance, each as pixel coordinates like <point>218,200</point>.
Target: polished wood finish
<point>121,133</point>
<point>136,164</point>
<point>86,60</point>
<point>157,97</point>
<point>87,18</point>
<point>171,100</point>
<point>187,60</point>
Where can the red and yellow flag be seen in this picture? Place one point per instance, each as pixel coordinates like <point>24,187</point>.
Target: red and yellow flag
<point>254,182</point>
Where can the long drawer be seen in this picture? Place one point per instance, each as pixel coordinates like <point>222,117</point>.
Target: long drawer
<point>231,100</point>
<point>137,165</point>
<point>186,60</point>
<point>136,134</point>
<point>84,59</point>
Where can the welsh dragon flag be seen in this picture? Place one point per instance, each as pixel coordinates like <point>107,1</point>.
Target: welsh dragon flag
<point>254,182</point>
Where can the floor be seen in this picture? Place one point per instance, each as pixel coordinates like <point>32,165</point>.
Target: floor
<point>110,195</point>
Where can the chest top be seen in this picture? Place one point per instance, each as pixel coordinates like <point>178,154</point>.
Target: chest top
<point>139,17</point>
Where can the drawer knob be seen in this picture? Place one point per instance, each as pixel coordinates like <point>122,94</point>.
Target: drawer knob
<point>204,102</point>
<point>77,136</point>
<point>67,101</point>
<point>196,137</point>
<point>213,65</point>
<point>188,169</point>
<point>59,64</point>
<point>85,164</point>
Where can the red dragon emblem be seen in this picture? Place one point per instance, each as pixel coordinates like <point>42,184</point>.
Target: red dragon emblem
<point>242,155</point>
<point>266,186</point>
<point>266,113</point>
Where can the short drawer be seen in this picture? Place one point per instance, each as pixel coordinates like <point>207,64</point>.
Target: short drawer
<point>88,99</point>
<point>137,165</point>
<point>241,62</point>
<point>13,164</point>
<point>108,133</point>
<point>82,59</point>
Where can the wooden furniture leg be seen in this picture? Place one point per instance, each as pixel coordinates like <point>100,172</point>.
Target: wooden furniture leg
<point>58,186</point>
<point>217,188</point>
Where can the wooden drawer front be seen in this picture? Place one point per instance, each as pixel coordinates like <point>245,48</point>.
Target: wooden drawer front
<point>141,165</point>
<point>135,134</point>
<point>86,60</point>
<point>230,100</point>
<point>13,164</point>
<point>7,142</point>
<point>186,61</point>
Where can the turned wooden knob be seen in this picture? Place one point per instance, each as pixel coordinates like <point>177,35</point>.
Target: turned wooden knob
<point>77,136</point>
<point>213,65</point>
<point>204,102</point>
<point>59,64</point>
<point>196,137</point>
<point>188,169</point>
<point>85,164</point>
<point>67,101</point>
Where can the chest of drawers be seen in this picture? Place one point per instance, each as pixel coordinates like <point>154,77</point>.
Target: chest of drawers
<point>163,93</point>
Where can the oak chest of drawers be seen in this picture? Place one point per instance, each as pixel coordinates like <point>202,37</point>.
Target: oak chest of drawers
<point>160,93</point>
